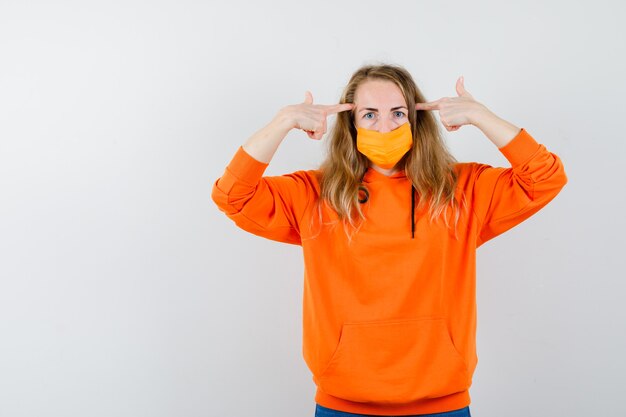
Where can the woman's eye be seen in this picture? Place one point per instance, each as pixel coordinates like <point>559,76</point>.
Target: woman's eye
<point>368,116</point>
<point>399,114</point>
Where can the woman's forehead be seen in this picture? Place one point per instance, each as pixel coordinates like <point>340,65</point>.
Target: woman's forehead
<point>378,94</point>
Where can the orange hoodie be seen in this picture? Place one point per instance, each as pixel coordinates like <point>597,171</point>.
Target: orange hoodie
<point>389,319</point>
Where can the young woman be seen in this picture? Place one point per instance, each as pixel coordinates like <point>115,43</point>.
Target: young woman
<point>389,225</point>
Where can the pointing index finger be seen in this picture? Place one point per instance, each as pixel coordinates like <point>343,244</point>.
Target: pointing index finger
<point>432,105</point>
<point>338,108</point>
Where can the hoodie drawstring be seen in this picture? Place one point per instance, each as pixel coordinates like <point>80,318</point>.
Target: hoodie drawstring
<point>412,212</point>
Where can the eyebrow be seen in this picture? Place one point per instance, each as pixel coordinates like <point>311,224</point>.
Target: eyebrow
<point>373,109</point>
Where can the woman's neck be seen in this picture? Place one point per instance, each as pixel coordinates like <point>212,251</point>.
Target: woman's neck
<point>388,172</point>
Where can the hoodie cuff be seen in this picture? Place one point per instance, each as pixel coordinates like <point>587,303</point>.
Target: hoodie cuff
<point>243,168</point>
<point>520,149</point>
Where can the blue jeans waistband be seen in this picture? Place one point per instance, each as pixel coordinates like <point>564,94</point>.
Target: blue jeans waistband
<point>321,411</point>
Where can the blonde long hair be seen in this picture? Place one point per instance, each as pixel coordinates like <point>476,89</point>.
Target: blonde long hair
<point>428,164</point>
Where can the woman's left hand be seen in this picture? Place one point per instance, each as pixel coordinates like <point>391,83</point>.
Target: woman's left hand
<point>455,112</point>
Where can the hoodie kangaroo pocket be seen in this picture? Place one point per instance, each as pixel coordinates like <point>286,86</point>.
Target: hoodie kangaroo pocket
<point>395,362</point>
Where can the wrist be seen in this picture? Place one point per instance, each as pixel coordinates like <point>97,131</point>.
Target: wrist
<point>263,144</point>
<point>482,116</point>
<point>497,130</point>
<point>282,122</point>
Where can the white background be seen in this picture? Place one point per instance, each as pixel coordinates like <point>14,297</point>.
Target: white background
<point>124,291</point>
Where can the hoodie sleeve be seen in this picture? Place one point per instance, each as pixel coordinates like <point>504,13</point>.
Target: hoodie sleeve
<point>504,197</point>
<point>269,207</point>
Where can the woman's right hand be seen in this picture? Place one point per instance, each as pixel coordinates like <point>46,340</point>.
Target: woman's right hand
<point>305,116</point>
<point>311,117</point>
